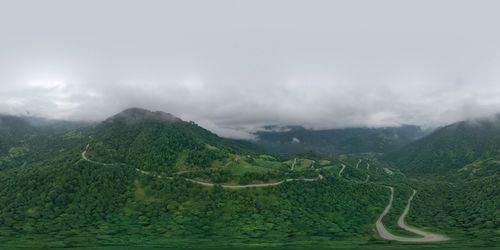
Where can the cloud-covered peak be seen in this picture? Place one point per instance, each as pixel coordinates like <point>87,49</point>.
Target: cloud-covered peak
<point>236,67</point>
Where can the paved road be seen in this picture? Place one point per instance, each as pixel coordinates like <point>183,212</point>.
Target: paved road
<point>294,162</point>
<point>382,231</point>
<point>320,177</point>
<point>84,156</point>
<point>209,184</point>
<point>388,171</point>
<point>342,170</point>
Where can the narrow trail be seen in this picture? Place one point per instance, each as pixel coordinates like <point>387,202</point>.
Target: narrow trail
<point>385,234</point>
<point>293,164</point>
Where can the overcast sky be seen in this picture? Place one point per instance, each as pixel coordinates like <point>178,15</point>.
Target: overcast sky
<point>233,66</point>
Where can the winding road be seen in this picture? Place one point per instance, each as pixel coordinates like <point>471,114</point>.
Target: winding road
<point>388,171</point>
<point>84,157</point>
<point>208,184</point>
<point>294,162</point>
<point>367,178</point>
<point>385,234</point>
<point>382,231</point>
<point>342,170</point>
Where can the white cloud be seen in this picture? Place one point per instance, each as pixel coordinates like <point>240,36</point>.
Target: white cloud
<point>322,65</point>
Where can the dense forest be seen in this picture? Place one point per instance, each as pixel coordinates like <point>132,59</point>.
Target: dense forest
<point>450,148</point>
<point>296,139</point>
<point>132,180</point>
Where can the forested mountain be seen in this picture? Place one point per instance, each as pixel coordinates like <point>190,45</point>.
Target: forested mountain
<point>330,142</point>
<point>30,140</point>
<point>143,178</point>
<point>457,170</point>
<point>451,147</point>
<point>156,141</point>
<point>68,200</point>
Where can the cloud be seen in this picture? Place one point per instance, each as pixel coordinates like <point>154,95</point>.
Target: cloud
<point>236,67</point>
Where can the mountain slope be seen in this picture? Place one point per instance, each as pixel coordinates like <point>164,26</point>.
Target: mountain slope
<point>156,141</point>
<point>451,147</point>
<point>337,141</point>
<point>29,140</point>
<point>60,199</point>
<point>76,202</point>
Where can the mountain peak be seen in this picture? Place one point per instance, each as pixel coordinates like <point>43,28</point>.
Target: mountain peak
<point>133,115</point>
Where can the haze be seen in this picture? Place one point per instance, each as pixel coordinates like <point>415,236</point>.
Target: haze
<point>235,66</point>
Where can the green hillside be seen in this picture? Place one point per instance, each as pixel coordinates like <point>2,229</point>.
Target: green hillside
<point>146,179</point>
<point>451,147</point>
<point>292,140</point>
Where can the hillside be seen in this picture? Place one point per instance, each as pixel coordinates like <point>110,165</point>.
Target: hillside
<point>337,141</point>
<point>145,179</point>
<point>457,169</point>
<point>100,197</point>
<point>28,140</point>
<point>451,147</point>
<point>155,141</point>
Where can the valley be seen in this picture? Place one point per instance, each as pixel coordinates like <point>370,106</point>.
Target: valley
<point>146,178</point>
<point>381,230</point>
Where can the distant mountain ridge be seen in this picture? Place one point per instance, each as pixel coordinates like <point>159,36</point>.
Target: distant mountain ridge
<point>129,179</point>
<point>297,139</point>
<point>450,147</point>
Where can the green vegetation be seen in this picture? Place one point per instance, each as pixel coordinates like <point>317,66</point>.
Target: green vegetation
<point>50,196</point>
<point>333,142</point>
<point>450,147</point>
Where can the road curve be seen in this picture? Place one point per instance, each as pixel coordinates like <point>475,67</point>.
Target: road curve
<point>342,170</point>
<point>208,184</point>
<point>367,178</point>
<point>431,237</point>
<point>382,231</point>
<point>84,157</point>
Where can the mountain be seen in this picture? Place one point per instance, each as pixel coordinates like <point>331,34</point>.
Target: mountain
<point>148,180</point>
<point>156,141</point>
<point>89,192</point>
<point>31,140</point>
<point>330,142</point>
<point>451,147</point>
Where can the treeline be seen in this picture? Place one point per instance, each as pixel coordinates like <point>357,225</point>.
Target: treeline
<point>86,203</point>
<point>468,208</point>
<point>157,146</point>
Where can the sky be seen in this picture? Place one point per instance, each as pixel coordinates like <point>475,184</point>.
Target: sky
<point>236,66</point>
